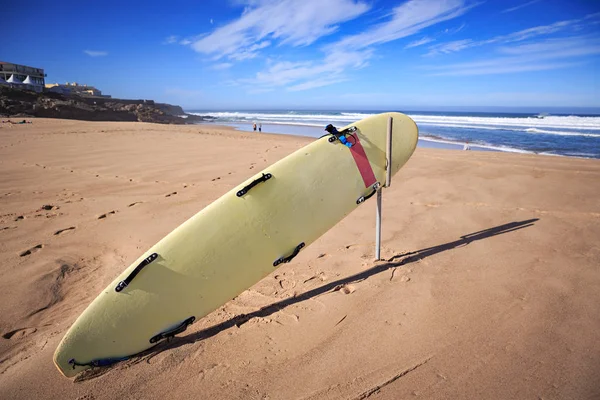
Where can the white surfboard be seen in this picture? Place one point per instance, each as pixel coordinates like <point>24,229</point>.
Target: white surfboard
<point>235,242</point>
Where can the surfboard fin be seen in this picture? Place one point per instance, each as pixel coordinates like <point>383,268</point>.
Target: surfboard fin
<point>172,332</point>
<point>104,362</point>
<point>97,363</point>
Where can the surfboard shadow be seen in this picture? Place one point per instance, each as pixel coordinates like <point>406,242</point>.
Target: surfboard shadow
<point>393,262</point>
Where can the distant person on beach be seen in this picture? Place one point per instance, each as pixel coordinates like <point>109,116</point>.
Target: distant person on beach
<point>260,127</point>
<point>17,123</point>
<point>254,126</point>
<point>467,147</point>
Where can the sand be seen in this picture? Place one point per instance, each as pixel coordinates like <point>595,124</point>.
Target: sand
<point>489,287</point>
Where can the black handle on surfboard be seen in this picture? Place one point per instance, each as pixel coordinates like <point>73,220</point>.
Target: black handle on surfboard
<point>246,189</point>
<point>125,282</point>
<point>172,332</point>
<point>289,258</point>
<point>362,199</point>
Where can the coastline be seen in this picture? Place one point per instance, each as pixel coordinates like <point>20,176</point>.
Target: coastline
<point>313,132</point>
<point>557,135</point>
<point>488,283</point>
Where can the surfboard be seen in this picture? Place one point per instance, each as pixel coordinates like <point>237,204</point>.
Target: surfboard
<point>235,242</point>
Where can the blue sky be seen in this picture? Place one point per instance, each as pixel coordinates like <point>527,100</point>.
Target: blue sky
<point>334,54</point>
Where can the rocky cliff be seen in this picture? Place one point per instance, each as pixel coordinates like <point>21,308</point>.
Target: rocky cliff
<point>21,103</point>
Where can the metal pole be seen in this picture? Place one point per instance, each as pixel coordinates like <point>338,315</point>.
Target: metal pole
<point>378,227</point>
<point>388,182</point>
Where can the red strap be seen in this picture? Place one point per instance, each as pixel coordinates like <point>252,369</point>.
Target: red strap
<point>362,162</point>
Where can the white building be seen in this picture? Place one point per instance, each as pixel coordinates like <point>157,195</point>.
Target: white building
<point>22,76</point>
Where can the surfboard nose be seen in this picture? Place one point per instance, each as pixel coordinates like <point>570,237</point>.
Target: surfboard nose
<point>372,132</point>
<point>405,135</point>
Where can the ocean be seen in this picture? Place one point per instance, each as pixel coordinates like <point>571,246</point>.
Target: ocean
<point>569,135</point>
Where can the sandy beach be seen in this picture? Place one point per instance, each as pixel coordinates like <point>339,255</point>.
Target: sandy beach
<point>489,287</point>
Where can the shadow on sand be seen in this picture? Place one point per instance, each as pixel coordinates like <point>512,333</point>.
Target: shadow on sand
<point>393,262</point>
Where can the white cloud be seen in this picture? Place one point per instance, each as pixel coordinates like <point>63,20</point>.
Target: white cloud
<point>594,15</point>
<point>171,39</point>
<point>355,51</point>
<point>458,45</point>
<point>249,52</point>
<point>296,23</point>
<point>557,48</point>
<point>185,42</point>
<point>419,42</point>
<point>520,6</point>
<point>544,55</point>
<point>451,47</point>
<point>504,66</point>
<point>220,66</point>
<point>407,19</point>
<point>535,31</point>
<point>95,53</point>
<point>309,74</point>
<point>452,31</point>
<point>325,81</point>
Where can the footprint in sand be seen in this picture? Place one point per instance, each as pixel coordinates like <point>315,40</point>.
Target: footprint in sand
<point>403,278</point>
<point>216,179</point>
<point>32,250</point>
<point>133,204</point>
<point>8,227</point>
<point>106,215</point>
<point>321,276</point>
<point>87,396</point>
<point>346,289</point>
<point>286,285</point>
<point>19,333</point>
<point>171,194</point>
<point>49,207</point>
<point>72,201</point>
<point>62,231</point>
<point>20,218</point>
